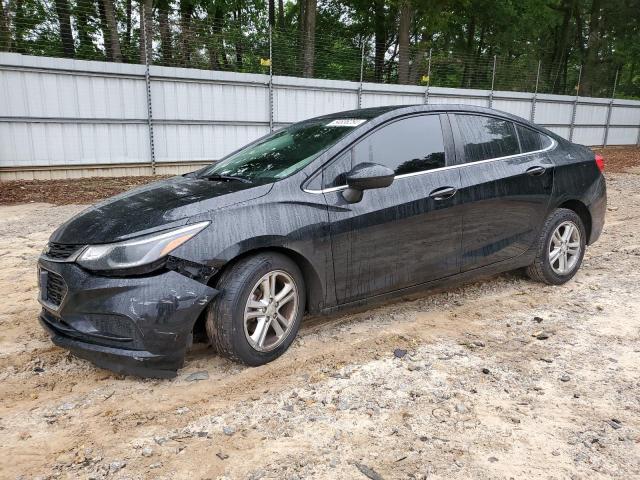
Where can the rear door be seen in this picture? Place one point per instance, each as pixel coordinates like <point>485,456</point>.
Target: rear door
<point>404,234</point>
<point>506,183</point>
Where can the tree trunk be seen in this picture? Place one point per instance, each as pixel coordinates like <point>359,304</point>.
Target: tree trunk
<point>111,40</point>
<point>19,26</point>
<point>146,35</point>
<point>281,14</point>
<point>216,42</point>
<point>127,34</point>
<point>560,50</point>
<point>66,35</point>
<point>590,66</point>
<point>186,40</point>
<point>238,36</point>
<point>309,46</point>
<point>406,15</point>
<point>5,33</point>
<point>471,34</point>
<point>381,39</point>
<point>86,9</point>
<point>272,13</point>
<point>166,46</point>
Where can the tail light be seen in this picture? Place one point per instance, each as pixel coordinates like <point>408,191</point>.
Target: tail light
<point>600,163</point>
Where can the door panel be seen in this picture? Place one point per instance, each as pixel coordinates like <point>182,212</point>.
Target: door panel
<point>505,201</point>
<point>395,237</point>
<point>398,236</point>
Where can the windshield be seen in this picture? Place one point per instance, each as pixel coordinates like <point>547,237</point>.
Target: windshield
<point>285,151</point>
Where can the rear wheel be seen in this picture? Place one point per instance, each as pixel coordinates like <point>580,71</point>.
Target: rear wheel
<point>561,248</point>
<point>257,314</point>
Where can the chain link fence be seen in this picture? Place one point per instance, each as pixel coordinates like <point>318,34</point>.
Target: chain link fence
<point>200,36</point>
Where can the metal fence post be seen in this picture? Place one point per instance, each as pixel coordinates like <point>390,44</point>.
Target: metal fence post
<point>147,78</point>
<point>575,106</point>
<point>426,92</point>
<point>535,94</point>
<point>361,75</point>
<point>270,79</point>
<point>613,96</point>
<point>493,79</point>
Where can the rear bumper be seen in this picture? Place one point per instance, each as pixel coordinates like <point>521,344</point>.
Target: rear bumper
<point>140,326</point>
<point>598,209</point>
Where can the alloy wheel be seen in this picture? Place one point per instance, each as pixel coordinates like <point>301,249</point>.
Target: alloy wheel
<point>564,248</point>
<point>270,311</point>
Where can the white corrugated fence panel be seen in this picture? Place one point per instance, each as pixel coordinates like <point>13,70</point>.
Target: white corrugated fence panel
<point>553,113</point>
<point>623,136</point>
<point>588,135</point>
<point>591,114</point>
<point>57,112</point>
<point>184,143</point>
<point>175,100</point>
<point>293,104</point>
<point>34,144</point>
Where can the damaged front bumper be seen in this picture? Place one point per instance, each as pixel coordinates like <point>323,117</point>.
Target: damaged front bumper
<point>139,325</point>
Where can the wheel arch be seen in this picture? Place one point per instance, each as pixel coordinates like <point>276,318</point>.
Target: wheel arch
<point>313,285</point>
<point>582,211</point>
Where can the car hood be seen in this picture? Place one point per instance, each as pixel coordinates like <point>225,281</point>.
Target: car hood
<point>153,207</point>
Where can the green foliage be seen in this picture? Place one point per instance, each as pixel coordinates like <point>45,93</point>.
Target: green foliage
<point>456,40</point>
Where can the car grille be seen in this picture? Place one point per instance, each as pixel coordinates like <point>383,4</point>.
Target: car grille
<point>61,251</point>
<point>55,289</point>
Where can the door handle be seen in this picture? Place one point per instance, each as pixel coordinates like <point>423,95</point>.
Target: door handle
<point>443,193</point>
<point>536,171</point>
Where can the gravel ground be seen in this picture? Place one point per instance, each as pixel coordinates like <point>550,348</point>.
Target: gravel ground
<point>495,379</point>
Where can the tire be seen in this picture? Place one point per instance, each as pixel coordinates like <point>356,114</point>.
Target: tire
<point>547,266</point>
<point>242,293</point>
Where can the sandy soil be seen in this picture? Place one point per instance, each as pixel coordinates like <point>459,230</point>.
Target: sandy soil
<point>480,393</point>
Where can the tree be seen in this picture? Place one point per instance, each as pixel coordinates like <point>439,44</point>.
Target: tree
<point>281,14</point>
<point>146,33</point>
<point>594,39</point>
<point>325,39</point>
<point>5,33</point>
<point>186,35</point>
<point>406,16</point>
<point>64,20</point>
<point>110,30</point>
<point>380,31</point>
<point>85,13</point>
<point>308,37</point>
<point>166,44</point>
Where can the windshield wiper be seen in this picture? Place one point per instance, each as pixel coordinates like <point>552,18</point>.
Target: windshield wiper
<point>226,178</point>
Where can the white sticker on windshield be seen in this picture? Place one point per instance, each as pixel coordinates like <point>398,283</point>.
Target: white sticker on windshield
<point>346,122</point>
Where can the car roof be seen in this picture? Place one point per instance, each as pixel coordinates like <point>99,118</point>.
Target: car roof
<point>384,113</point>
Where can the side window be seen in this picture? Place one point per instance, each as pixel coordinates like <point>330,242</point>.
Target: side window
<point>335,174</point>
<point>487,137</point>
<point>413,144</point>
<point>530,140</point>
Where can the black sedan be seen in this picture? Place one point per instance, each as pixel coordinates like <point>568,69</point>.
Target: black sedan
<point>336,211</point>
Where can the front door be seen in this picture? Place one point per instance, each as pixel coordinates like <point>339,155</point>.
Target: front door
<point>403,235</point>
<point>506,179</point>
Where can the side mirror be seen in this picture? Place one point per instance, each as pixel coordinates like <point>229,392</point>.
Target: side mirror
<point>366,176</point>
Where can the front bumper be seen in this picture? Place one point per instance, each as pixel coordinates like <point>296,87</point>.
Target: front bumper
<point>140,325</point>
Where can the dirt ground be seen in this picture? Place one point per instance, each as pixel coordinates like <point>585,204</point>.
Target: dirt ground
<point>503,378</point>
<point>90,190</point>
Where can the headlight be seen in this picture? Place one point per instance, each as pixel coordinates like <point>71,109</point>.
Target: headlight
<point>137,252</point>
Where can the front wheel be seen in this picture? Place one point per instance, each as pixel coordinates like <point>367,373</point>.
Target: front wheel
<point>257,314</point>
<point>561,247</point>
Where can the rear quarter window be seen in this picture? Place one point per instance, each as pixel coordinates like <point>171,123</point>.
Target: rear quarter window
<point>531,140</point>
